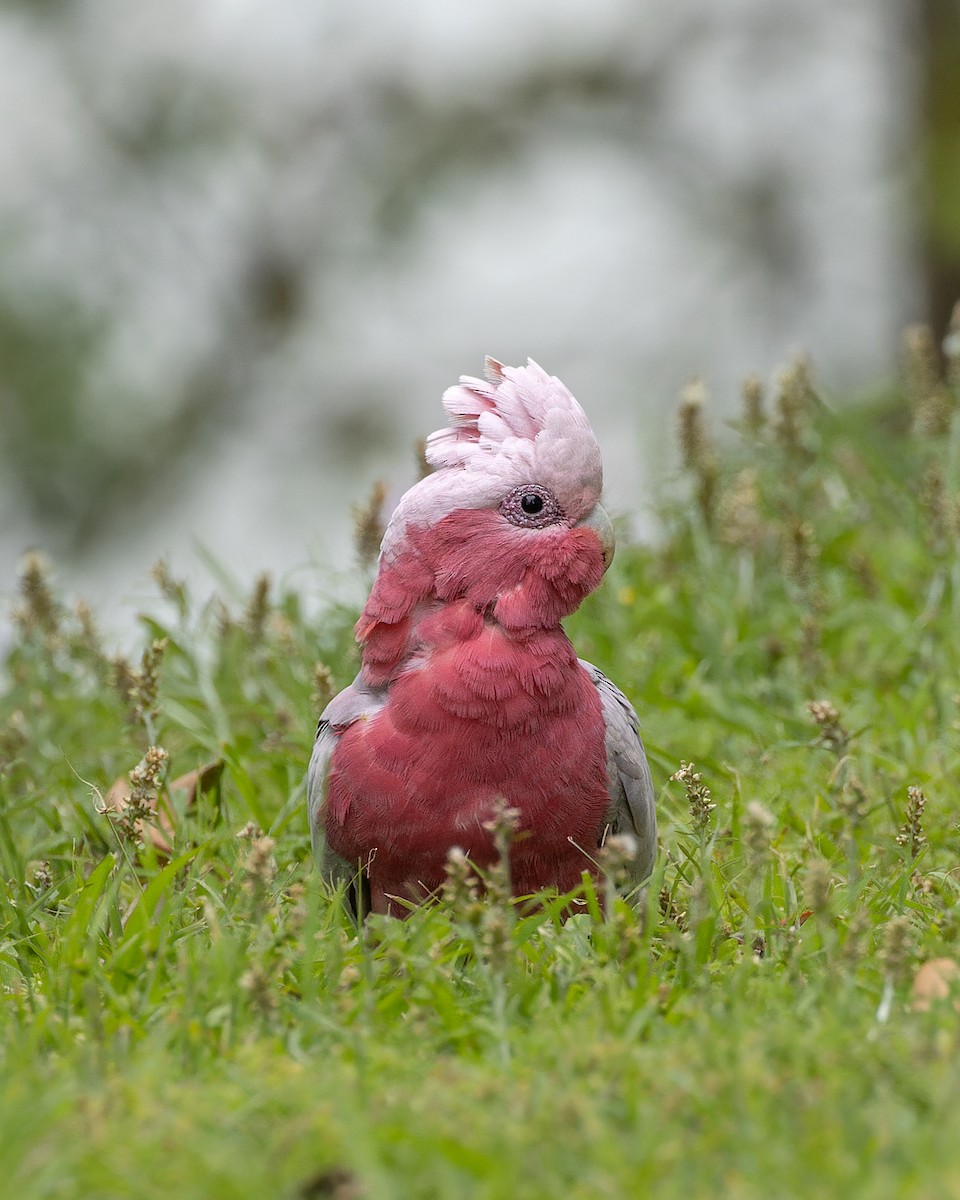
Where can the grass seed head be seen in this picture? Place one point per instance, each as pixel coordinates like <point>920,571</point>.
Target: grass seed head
<point>496,932</point>
<point>697,450</point>
<point>741,522</point>
<point>485,904</point>
<point>143,692</point>
<point>695,442</point>
<point>38,611</point>
<point>87,636</point>
<point>172,589</point>
<point>461,888</point>
<point>42,877</point>
<point>911,833</point>
<point>140,805</point>
<point>504,825</point>
<point>799,551</point>
<point>368,524</point>
<point>830,729</point>
<point>896,950</point>
<point>258,607</point>
<point>615,855</point>
<point>420,457</point>
<point>938,506</point>
<point>323,686</point>
<point>698,795</point>
<point>930,399</point>
<point>149,772</point>
<point>794,395</point>
<point>260,868</point>
<point>123,678</point>
<point>758,827</point>
<point>853,802</point>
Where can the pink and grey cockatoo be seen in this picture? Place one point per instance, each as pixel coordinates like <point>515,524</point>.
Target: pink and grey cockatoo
<point>470,692</point>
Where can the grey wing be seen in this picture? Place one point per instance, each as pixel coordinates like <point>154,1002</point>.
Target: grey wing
<point>632,797</point>
<point>355,703</point>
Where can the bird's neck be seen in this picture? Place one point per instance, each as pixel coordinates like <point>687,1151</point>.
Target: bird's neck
<point>468,571</point>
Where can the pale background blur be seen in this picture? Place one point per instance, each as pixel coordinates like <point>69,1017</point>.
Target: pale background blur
<point>244,247</point>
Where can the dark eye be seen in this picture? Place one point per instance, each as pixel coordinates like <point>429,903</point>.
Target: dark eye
<point>531,506</point>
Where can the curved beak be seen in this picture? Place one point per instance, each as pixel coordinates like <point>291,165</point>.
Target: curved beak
<point>600,523</point>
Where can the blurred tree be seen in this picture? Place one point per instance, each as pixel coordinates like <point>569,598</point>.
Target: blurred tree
<point>939,56</point>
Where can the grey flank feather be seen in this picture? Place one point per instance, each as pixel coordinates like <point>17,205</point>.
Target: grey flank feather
<point>632,796</point>
<point>358,702</point>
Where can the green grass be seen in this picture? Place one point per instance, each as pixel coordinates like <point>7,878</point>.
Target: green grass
<point>205,1021</point>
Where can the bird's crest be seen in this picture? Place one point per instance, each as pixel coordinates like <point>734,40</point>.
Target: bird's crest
<point>488,417</point>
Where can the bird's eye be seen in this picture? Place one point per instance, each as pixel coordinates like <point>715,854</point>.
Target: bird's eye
<point>531,506</point>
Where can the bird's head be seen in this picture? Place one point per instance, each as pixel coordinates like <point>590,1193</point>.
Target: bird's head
<point>510,518</point>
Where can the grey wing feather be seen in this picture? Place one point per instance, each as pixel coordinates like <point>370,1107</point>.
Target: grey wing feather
<point>355,703</point>
<point>632,797</point>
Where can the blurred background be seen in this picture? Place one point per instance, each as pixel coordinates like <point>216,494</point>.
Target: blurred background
<point>245,247</point>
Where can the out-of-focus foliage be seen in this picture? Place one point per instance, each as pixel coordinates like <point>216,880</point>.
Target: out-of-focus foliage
<point>240,258</point>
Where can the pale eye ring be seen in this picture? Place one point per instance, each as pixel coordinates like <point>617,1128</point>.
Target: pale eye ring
<point>531,506</point>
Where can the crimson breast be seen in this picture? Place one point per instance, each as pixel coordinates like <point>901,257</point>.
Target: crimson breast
<point>476,713</point>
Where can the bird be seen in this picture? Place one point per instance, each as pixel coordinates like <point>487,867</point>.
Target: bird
<point>470,694</point>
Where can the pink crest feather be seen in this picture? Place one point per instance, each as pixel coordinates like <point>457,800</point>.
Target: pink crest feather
<point>513,402</point>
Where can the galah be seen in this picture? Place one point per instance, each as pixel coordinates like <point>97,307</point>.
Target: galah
<point>470,693</point>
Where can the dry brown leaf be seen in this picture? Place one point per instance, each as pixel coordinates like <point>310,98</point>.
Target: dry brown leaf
<point>934,981</point>
<point>199,782</point>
